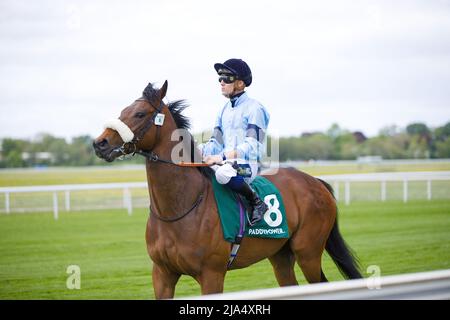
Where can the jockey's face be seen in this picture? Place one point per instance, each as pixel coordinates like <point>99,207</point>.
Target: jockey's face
<point>230,89</point>
<point>227,88</point>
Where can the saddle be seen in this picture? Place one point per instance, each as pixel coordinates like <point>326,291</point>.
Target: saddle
<point>234,213</point>
<point>231,206</point>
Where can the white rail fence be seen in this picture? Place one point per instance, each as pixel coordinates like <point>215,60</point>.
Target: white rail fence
<point>68,189</point>
<point>371,186</point>
<point>405,178</point>
<point>433,285</point>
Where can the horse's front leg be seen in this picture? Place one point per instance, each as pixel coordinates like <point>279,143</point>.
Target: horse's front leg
<point>211,281</point>
<point>164,282</point>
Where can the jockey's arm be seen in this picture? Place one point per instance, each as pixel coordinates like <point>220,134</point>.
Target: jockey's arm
<point>214,145</point>
<point>218,158</point>
<point>251,148</point>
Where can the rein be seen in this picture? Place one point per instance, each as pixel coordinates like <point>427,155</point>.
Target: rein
<point>150,155</point>
<point>154,158</point>
<point>181,216</point>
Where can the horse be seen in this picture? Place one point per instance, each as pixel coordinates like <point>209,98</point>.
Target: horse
<point>183,231</point>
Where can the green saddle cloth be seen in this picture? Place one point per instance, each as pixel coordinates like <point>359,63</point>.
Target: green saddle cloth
<point>273,225</point>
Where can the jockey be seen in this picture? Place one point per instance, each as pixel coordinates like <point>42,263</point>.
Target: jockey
<point>238,140</point>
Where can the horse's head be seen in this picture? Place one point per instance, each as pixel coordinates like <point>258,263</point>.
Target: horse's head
<point>135,128</point>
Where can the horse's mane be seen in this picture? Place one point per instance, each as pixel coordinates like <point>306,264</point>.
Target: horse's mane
<point>176,108</point>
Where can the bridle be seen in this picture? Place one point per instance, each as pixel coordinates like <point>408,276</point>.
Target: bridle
<point>150,155</point>
<point>138,137</point>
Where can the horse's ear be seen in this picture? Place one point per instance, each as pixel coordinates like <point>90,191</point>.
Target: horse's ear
<point>163,90</point>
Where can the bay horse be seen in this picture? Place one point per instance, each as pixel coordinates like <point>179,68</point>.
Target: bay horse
<point>184,232</point>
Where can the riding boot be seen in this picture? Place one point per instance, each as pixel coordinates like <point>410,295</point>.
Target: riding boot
<point>258,206</point>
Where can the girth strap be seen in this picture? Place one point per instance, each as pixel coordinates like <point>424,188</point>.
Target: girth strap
<point>237,241</point>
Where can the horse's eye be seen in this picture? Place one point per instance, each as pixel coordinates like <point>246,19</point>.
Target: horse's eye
<point>140,115</point>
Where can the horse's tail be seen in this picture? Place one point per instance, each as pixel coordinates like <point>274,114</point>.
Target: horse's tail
<point>338,249</point>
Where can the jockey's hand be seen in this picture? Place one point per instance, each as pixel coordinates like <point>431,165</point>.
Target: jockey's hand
<point>212,159</point>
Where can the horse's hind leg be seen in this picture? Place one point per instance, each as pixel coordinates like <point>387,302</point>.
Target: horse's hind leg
<point>311,265</point>
<point>283,266</point>
<point>308,246</point>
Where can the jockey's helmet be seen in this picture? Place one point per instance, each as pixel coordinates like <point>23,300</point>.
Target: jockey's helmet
<point>237,67</point>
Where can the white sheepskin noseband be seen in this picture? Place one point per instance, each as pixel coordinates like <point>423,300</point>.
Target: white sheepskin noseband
<point>122,129</point>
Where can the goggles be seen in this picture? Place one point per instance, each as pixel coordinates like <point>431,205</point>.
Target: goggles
<point>227,78</point>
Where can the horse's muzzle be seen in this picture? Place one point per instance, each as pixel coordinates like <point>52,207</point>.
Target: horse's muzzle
<point>103,150</point>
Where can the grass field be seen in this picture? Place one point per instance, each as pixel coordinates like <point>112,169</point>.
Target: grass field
<point>109,248</point>
<point>346,168</point>
<point>32,177</point>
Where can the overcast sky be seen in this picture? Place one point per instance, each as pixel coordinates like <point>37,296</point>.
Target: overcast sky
<point>67,66</point>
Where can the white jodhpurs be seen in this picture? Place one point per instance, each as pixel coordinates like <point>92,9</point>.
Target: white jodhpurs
<point>225,172</point>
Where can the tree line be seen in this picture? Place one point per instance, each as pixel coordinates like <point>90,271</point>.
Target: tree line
<point>416,141</point>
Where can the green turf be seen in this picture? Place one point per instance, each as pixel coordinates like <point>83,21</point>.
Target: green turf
<point>109,247</point>
<point>51,176</point>
<point>355,167</point>
<point>28,177</point>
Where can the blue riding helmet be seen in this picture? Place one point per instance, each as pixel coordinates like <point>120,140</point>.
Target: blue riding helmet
<point>237,67</point>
